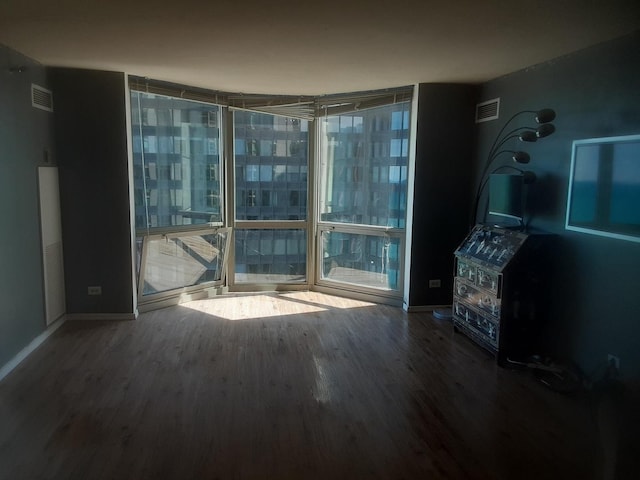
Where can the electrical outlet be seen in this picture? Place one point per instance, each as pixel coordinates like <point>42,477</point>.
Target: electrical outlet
<point>613,361</point>
<point>434,283</point>
<point>96,290</point>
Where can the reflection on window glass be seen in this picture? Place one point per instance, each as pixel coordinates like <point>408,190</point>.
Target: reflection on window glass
<point>279,172</point>
<point>625,191</point>
<point>605,187</point>
<point>176,163</point>
<point>365,156</point>
<point>585,183</point>
<point>366,260</point>
<point>274,163</point>
<point>185,261</point>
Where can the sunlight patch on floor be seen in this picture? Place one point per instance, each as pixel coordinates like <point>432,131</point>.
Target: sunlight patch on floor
<point>327,300</point>
<point>252,307</point>
<point>247,307</point>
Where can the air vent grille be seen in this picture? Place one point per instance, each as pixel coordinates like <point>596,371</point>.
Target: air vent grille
<point>489,110</point>
<point>41,98</point>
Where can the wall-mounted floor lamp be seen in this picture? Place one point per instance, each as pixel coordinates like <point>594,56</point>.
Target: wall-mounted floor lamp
<point>524,134</point>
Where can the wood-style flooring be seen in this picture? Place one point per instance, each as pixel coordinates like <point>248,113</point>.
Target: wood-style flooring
<point>283,386</point>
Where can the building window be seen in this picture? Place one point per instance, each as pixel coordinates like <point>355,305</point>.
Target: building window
<point>252,148</point>
<point>266,198</point>
<point>399,147</point>
<point>212,173</point>
<point>213,199</point>
<point>400,120</point>
<point>266,173</point>
<point>252,173</point>
<point>251,198</point>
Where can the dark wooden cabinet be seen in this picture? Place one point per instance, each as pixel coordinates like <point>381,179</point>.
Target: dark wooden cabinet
<point>498,292</point>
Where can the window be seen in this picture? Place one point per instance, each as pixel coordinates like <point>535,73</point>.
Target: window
<point>274,177</point>
<point>279,173</point>
<point>266,173</point>
<point>400,120</point>
<point>270,177</point>
<point>213,200</point>
<point>251,198</point>
<point>252,173</point>
<point>182,260</point>
<point>179,170</point>
<point>363,182</point>
<point>176,160</point>
<point>252,148</point>
<point>344,184</point>
<point>397,174</point>
<point>270,255</point>
<point>213,172</point>
<point>266,198</point>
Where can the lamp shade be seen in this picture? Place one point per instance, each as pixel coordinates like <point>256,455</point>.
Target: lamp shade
<point>528,136</point>
<point>545,130</point>
<point>521,157</point>
<point>545,115</point>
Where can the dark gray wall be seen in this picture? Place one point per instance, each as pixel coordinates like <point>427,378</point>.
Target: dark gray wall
<point>91,139</point>
<point>25,133</point>
<point>444,171</point>
<point>593,281</point>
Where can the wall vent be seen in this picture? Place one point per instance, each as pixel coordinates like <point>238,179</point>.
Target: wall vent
<point>489,110</point>
<point>41,98</point>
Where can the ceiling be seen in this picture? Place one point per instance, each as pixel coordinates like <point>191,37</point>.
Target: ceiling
<point>310,48</point>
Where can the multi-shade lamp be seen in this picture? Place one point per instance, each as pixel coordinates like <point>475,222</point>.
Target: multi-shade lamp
<point>525,133</point>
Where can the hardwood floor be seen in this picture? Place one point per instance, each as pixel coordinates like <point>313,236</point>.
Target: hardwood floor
<point>283,386</point>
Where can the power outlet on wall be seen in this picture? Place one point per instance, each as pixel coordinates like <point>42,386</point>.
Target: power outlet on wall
<point>95,290</point>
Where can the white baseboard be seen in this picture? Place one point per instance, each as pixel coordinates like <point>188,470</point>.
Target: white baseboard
<point>361,296</point>
<point>164,301</point>
<point>116,317</point>
<point>8,367</point>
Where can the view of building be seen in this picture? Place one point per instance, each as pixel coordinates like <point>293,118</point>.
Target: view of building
<point>362,169</point>
<point>176,158</point>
